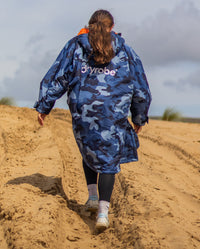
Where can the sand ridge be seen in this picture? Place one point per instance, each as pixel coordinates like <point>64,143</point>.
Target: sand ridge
<point>155,203</point>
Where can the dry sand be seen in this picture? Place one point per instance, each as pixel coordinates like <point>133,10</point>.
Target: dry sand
<point>155,203</point>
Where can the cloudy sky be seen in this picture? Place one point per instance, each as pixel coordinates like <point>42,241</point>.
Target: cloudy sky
<point>165,34</point>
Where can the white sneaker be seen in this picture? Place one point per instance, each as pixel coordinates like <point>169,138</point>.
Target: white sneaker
<point>102,222</point>
<point>92,204</point>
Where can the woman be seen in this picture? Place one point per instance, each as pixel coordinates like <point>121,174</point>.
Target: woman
<point>104,79</point>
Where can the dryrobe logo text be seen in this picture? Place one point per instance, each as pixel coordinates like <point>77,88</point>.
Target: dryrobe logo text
<point>99,70</point>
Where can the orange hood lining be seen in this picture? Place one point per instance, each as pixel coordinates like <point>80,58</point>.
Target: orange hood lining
<point>83,31</point>
<point>86,31</point>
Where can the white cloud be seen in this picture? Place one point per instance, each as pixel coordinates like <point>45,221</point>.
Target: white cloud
<point>25,83</point>
<point>34,39</point>
<point>170,36</point>
<point>192,81</point>
<point>184,98</point>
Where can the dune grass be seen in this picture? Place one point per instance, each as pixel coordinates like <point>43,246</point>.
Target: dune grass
<point>7,101</point>
<point>170,114</point>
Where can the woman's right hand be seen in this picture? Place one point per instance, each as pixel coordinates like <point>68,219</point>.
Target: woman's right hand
<point>41,117</point>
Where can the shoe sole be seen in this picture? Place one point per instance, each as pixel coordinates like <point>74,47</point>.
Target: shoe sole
<point>100,226</point>
<point>91,209</point>
<point>92,206</point>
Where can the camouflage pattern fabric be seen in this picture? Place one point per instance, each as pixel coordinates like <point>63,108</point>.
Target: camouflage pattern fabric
<point>100,98</point>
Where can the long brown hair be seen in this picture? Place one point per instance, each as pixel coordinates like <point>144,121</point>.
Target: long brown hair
<point>100,25</point>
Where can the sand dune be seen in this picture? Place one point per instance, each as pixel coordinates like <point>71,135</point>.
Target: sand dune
<point>155,203</point>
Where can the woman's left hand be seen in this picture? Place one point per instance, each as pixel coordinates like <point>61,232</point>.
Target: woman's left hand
<point>137,128</point>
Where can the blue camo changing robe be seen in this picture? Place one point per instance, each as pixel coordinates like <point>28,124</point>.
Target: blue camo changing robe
<point>99,98</point>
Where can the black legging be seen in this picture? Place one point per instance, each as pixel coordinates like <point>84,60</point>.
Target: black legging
<point>105,182</point>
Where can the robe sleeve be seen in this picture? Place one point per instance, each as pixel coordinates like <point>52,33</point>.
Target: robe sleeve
<point>56,81</point>
<point>141,98</point>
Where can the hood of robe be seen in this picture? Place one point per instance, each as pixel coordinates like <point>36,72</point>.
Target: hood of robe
<point>117,41</point>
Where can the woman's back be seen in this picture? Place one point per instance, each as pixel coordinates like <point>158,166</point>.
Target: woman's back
<point>102,88</point>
